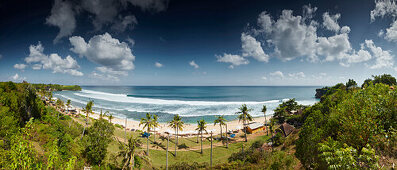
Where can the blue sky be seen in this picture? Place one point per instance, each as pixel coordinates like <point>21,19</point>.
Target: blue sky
<point>154,42</point>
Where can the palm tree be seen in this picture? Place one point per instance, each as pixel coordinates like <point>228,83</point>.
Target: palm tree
<point>201,126</point>
<point>88,110</point>
<point>59,105</point>
<point>68,104</point>
<point>147,123</point>
<point>221,120</point>
<point>155,124</point>
<point>110,116</point>
<point>264,109</point>
<point>177,124</point>
<point>127,151</point>
<point>245,117</point>
<point>271,131</point>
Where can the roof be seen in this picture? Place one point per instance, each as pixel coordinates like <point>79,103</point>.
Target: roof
<point>287,129</point>
<point>255,125</point>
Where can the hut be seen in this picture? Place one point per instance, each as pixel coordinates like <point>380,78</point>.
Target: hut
<point>287,129</point>
<point>254,127</point>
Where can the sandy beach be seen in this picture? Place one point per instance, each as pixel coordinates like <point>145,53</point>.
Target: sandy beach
<point>187,128</point>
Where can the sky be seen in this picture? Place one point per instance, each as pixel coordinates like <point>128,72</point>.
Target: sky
<point>197,43</point>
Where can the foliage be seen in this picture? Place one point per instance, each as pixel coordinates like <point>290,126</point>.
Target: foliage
<point>385,79</point>
<point>99,135</point>
<point>339,156</point>
<point>127,151</point>
<point>361,120</point>
<point>188,166</point>
<point>244,116</point>
<point>56,87</point>
<point>351,83</point>
<point>282,112</point>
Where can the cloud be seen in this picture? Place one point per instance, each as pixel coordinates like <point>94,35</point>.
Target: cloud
<point>264,78</point>
<point>153,5</point>
<point>234,60</point>
<point>20,66</point>
<point>158,65</point>
<point>383,58</point>
<point>127,22</point>
<point>292,36</point>
<point>277,74</point>
<point>131,41</point>
<point>384,8</point>
<point>297,75</point>
<point>193,64</point>
<point>17,78</point>
<point>331,22</point>
<point>63,17</point>
<point>115,57</point>
<point>52,62</point>
<point>253,48</point>
<point>104,11</point>
<point>391,32</point>
<point>105,51</point>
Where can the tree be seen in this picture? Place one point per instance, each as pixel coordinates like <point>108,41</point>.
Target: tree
<point>147,122</point>
<point>264,109</point>
<point>245,117</point>
<point>385,79</point>
<point>351,83</point>
<point>201,126</point>
<point>155,124</point>
<point>110,116</point>
<point>177,124</point>
<point>68,104</point>
<point>98,137</point>
<point>221,120</point>
<point>59,104</point>
<point>283,109</point>
<point>88,110</point>
<point>367,82</point>
<point>127,151</point>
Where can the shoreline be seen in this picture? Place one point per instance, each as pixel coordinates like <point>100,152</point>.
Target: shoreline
<point>188,128</point>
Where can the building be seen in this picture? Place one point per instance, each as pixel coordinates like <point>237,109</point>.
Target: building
<point>254,127</point>
<point>287,129</point>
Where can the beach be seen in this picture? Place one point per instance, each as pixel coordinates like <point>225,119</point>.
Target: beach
<point>188,128</point>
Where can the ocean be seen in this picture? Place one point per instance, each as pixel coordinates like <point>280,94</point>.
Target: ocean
<point>192,103</point>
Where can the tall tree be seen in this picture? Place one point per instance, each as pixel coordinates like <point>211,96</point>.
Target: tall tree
<point>221,121</point>
<point>147,123</point>
<point>155,124</point>
<point>110,116</point>
<point>245,117</point>
<point>201,126</point>
<point>177,124</point>
<point>88,110</point>
<point>98,137</point>
<point>127,151</point>
<point>68,104</point>
<point>59,105</point>
<point>264,109</point>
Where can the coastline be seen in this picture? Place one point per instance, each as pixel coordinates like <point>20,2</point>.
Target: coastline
<point>188,128</point>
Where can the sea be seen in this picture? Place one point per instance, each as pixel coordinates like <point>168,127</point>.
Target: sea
<point>192,103</point>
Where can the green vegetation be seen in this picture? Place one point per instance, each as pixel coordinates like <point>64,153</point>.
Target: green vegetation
<point>350,128</point>
<point>361,121</point>
<point>56,87</point>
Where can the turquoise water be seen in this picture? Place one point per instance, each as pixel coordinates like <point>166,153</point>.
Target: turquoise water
<point>191,103</point>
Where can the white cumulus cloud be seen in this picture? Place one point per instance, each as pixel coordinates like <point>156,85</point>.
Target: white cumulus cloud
<point>52,62</point>
<point>277,74</point>
<point>158,65</point>
<point>297,75</point>
<point>253,48</point>
<point>193,64</point>
<point>62,16</point>
<point>330,22</point>
<point>20,66</point>
<point>234,60</point>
